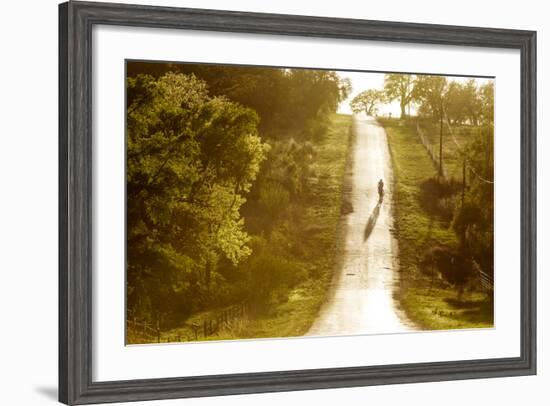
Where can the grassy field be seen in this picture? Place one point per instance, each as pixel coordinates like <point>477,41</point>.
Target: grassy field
<point>427,300</point>
<point>316,246</point>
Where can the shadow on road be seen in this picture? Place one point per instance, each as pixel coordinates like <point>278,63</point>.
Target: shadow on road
<point>372,221</point>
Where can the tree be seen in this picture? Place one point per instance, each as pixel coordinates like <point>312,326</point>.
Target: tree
<point>472,102</point>
<point>432,94</point>
<point>310,96</point>
<point>298,100</point>
<point>399,86</point>
<point>191,159</point>
<point>487,102</point>
<point>457,103</point>
<point>473,217</point>
<point>452,265</point>
<point>463,102</point>
<point>345,88</point>
<point>367,101</point>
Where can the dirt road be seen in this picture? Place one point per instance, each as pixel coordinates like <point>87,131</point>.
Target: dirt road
<point>361,300</point>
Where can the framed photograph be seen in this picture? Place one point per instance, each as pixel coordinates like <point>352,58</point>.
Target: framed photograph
<point>259,202</point>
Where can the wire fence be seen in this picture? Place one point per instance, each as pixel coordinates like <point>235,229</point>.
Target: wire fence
<point>486,281</point>
<point>430,150</point>
<point>200,328</point>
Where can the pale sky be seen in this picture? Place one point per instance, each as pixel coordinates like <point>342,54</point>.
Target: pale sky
<point>361,81</point>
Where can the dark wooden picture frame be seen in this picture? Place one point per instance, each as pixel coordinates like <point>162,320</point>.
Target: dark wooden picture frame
<point>76,20</point>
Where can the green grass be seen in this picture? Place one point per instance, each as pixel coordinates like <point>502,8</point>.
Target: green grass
<point>316,245</point>
<point>439,309</point>
<point>415,229</point>
<point>431,304</point>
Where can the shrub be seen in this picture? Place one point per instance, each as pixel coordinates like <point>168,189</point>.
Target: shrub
<point>274,199</point>
<point>454,267</point>
<point>268,274</point>
<point>437,196</point>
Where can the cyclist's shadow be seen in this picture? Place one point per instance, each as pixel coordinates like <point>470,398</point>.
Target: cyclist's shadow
<point>371,222</point>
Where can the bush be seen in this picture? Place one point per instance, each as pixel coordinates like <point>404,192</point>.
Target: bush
<point>315,128</point>
<point>437,196</point>
<point>268,274</point>
<point>274,199</point>
<point>455,268</point>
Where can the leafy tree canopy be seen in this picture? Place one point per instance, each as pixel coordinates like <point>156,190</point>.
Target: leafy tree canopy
<point>430,92</point>
<point>191,159</point>
<point>367,101</point>
<point>400,87</point>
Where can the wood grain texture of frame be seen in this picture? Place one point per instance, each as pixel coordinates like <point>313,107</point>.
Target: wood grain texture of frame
<point>76,20</point>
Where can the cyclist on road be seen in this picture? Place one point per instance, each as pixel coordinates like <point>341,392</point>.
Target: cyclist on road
<point>380,189</point>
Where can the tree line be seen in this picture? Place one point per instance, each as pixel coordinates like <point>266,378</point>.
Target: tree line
<point>216,157</point>
<point>435,96</point>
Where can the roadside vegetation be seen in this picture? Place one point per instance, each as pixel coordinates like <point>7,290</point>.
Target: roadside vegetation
<point>444,201</point>
<point>308,244</point>
<point>430,300</point>
<point>234,179</point>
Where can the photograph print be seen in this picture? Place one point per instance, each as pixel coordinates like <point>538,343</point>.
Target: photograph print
<point>270,202</point>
